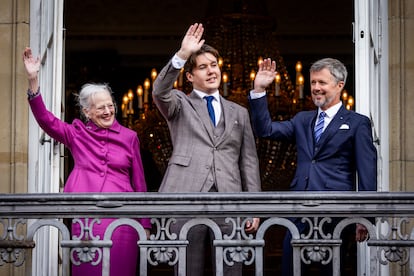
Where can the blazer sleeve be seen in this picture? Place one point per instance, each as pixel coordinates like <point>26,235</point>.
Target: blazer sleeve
<point>164,96</point>
<point>52,125</point>
<point>263,125</point>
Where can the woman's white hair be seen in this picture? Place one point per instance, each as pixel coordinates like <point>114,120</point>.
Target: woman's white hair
<point>88,91</point>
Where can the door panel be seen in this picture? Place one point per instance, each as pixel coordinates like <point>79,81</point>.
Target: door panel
<point>46,25</point>
<point>371,83</point>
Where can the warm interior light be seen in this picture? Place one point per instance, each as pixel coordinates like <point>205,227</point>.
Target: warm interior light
<point>125,99</point>
<point>130,94</point>
<point>301,80</point>
<point>139,90</point>
<point>277,78</point>
<point>153,74</point>
<point>298,66</point>
<point>147,83</point>
<point>259,61</point>
<point>252,75</point>
<point>225,77</point>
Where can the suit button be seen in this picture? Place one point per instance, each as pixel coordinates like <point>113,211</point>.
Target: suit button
<point>316,149</point>
<point>313,161</point>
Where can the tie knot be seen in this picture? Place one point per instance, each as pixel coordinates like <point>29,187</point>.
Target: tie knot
<point>209,99</point>
<point>322,115</point>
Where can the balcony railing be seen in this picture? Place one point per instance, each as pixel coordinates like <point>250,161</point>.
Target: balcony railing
<point>391,239</point>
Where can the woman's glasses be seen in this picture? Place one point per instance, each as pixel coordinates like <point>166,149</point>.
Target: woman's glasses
<point>102,108</point>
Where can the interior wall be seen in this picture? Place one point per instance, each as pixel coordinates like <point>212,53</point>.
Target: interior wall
<point>401,42</point>
<point>121,41</point>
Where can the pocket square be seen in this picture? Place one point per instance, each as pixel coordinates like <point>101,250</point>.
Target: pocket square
<point>344,126</point>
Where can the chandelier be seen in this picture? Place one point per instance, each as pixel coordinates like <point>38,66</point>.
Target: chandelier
<point>243,38</point>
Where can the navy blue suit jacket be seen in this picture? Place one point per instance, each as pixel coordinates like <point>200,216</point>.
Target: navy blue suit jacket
<point>345,147</point>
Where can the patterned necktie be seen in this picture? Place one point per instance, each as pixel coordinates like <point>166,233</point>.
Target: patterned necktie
<point>210,109</point>
<point>319,126</point>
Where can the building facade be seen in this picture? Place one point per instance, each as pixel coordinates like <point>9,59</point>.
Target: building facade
<point>19,162</point>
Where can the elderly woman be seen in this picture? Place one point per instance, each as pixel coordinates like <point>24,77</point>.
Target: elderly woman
<point>107,159</point>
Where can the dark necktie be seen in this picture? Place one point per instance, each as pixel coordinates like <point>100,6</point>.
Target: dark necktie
<point>319,126</point>
<point>210,109</point>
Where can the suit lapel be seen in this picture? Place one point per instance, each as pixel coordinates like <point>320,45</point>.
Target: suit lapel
<point>200,108</point>
<point>230,118</point>
<point>310,121</point>
<point>334,125</point>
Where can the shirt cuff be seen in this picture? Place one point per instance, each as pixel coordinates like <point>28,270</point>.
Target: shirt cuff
<point>178,62</point>
<point>31,94</point>
<point>254,95</point>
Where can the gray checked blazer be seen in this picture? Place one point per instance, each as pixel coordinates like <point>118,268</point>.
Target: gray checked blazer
<point>229,160</point>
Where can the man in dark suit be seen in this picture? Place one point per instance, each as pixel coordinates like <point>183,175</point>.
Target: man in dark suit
<point>212,152</point>
<point>335,148</point>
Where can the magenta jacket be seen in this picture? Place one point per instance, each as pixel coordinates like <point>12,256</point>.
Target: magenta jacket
<point>106,160</point>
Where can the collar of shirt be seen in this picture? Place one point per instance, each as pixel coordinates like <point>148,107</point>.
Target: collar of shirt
<point>330,113</point>
<point>216,102</point>
<point>201,94</point>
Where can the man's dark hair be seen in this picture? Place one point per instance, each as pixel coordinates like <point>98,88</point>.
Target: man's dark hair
<point>191,62</point>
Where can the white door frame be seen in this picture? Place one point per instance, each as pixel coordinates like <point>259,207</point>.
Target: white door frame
<point>46,25</point>
<point>371,75</point>
<point>371,85</point>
